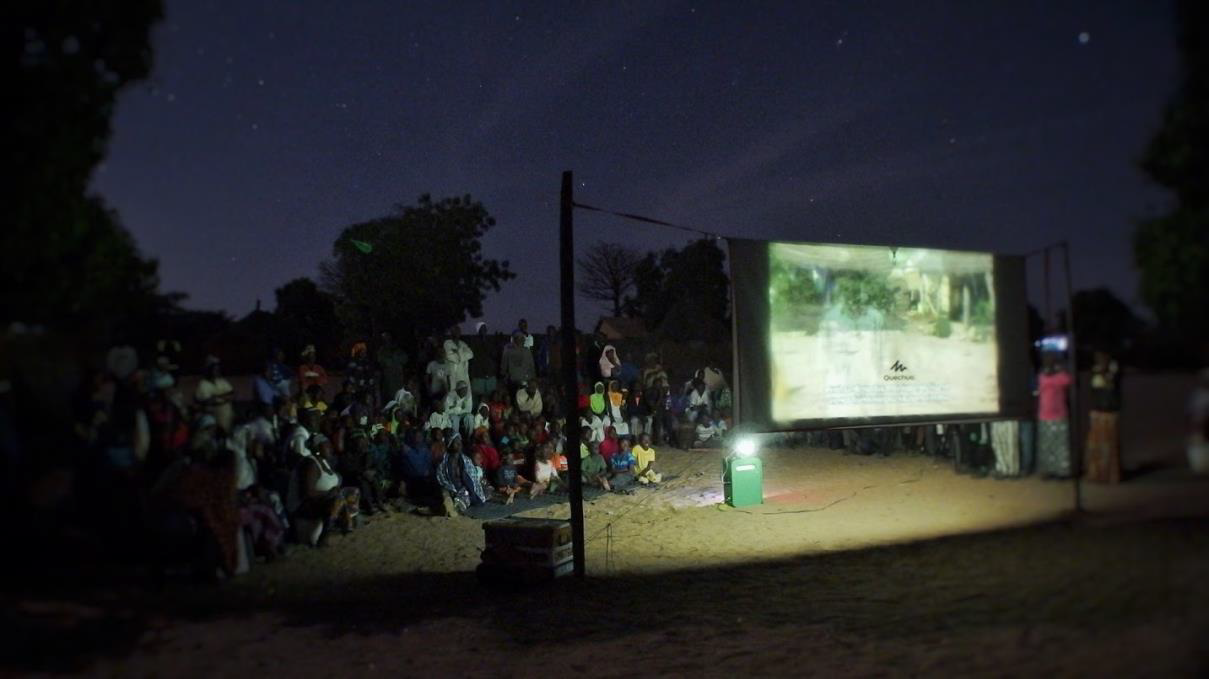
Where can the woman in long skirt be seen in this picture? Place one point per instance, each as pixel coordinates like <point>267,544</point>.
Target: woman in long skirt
<point>1053,428</point>
<point>1102,458</point>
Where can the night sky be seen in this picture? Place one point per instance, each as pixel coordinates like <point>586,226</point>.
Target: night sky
<point>267,127</point>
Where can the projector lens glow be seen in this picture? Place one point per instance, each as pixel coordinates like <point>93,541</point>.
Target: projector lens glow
<point>745,448</point>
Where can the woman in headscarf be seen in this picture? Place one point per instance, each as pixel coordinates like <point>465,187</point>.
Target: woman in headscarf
<point>598,401</point>
<point>451,477</point>
<point>610,365</point>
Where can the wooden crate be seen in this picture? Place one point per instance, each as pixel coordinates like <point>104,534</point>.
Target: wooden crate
<point>524,532</point>
<point>528,556</point>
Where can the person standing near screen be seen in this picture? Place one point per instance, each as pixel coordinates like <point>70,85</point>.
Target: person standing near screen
<point>1053,428</point>
<point>1103,456</point>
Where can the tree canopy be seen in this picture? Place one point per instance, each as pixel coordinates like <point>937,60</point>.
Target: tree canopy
<point>65,258</point>
<point>683,294</point>
<point>1172,251</point>
<point>424,272</point>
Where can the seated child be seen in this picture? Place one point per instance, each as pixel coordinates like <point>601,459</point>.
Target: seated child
<point>545,476</point>
<point>509,479</point>
<point>593,467</point>
<point>623,465</point>
<point>706,434</point>
<point>644,459</point>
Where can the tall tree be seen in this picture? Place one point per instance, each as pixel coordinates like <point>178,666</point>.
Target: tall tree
<point>683,294</point>
<point>306,315</point>
<point>416,272</point>
<point>1172,251</point>
<point>65,259</point>
<point>1104,322</point>
<point>606,274</point>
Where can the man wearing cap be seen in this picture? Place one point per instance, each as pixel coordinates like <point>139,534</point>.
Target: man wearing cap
<point>310,372</point>
<point>215,395</point>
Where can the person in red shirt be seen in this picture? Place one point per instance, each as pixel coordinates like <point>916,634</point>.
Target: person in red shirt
<point>310,372</point>
<point>1053,428</point>
<point>610,445</point>
<point>491,456</point>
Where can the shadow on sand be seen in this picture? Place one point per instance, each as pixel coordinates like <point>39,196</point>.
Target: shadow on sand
<point>1066,572</point>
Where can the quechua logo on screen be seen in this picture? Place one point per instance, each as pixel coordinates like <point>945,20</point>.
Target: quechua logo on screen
<point>898,373</point>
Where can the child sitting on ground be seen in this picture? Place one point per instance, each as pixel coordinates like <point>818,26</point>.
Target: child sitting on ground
<point>594,469</point>
<point>623,466</point>
<point>644,461</point>
<point>545,476</point>
<point>510,479</point>
<point>706,435</point>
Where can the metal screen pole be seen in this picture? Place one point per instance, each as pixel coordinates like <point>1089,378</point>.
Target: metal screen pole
<point>570,369</point>
<point>1076,404</point>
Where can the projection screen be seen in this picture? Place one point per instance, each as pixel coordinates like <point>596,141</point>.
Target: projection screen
<point>833,335</point>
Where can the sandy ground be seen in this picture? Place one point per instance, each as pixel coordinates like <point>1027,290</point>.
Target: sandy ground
<point>839,573</point>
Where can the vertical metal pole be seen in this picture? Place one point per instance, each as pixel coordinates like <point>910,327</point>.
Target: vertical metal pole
<point>1076,403</point>
<point>570,367</point>
<point>1049,319</point>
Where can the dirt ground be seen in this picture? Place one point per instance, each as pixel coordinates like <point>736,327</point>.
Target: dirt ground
<point>841,572</point>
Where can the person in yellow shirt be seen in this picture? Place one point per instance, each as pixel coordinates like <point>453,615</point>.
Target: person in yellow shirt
<point>644,454</point>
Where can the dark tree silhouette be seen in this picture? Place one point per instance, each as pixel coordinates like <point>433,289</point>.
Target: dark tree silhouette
<point>606,274</point>
<point>683,294</point>
<point>306,315</point>
<point>65,259</point>
<point>424,270</point>
<point>1104,322</point>
<point>1172,251</point>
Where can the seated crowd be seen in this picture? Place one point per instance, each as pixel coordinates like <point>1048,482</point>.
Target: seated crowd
<point>307,458</point>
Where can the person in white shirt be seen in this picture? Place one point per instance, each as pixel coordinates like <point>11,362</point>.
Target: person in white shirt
<point>404,398</point>
<point>300,438</point>
<point>529,399</point>
<point>216,396</point>
<point>437,374</point>
<point>457,357</point>
<point>459,407</point>
<point>482,417</point>
<point>698,399</point>
<point>438,419</point>
<point>596,423</point>
<point>706,434</point>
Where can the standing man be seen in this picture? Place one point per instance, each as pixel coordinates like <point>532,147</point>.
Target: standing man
<point>522,326</point>
<point>457,358</point>
<point>486,365</point>
<point>215,395</point>
<point>391,361</point>
<point>517,363</point>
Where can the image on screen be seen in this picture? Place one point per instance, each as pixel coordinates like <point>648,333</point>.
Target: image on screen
<point>867,331</point>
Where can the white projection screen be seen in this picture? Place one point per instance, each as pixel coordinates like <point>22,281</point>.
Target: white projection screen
<point>830,335</point>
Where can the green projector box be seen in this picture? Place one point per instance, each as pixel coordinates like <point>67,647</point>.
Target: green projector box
<point>743,481</point>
